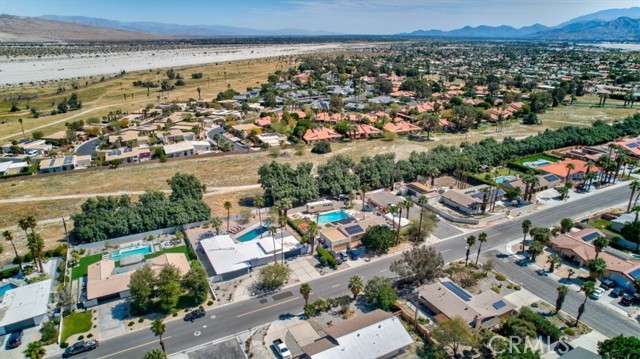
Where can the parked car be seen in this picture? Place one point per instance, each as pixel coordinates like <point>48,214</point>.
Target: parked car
<point>80,347</point>
<point>617,292</point>
<point>15,340</point>
<point>195,314</point>
<point>597,293</point>
<point>344,256</point>
<point>282,349</point>
<point>354,254</point>
<point>627,299</point>
<point>337,257</point>
<point>608,284</point>
<point>523,262</point>
<point>542,272</point>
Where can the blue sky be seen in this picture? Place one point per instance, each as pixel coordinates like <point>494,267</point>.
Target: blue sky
<point>343,16</point>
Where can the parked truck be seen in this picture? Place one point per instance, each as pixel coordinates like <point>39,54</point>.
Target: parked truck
<point>280,347</point>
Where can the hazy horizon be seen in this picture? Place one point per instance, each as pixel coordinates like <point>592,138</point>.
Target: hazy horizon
<point>337,16</point>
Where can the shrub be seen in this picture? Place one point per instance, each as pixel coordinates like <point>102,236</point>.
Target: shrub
<point>496,289</point>
<point>130,324</point>
<point>321,148</point>
<point>570,332</point>
<point>310,310</point>
<point>81,337</point>
<point>64,345</point>
<point>543,326</point>
<point>49,333</point>
<point>517,287</point>
<point>210,303</point>
<point>501,277</point>
<point>90,335</point>
<point>329,258</point>
<point>140,320</point>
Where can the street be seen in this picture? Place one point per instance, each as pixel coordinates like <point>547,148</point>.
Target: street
<point>240,316</point>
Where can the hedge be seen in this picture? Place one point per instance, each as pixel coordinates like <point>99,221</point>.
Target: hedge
<point>8,273</point>
<point>330,260</point>
<point>543,326</point>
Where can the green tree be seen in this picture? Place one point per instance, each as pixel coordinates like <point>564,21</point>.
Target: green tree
<point>227,207</point>
<point>471,241</point>
<point>482,238</point>
<point>541,234</point>
<point>216,223</point>
<point>417,232</point>
<point>141,286</point>
<point>155,354</point>
<point>378,239</point>
<point>553,261</point>
<point>587,288</point>
<point>35,350</point>
<point>563,290</point>
<point>600,243</point>
<point>8,235</point>
<point>540,101</point>
<point>635,186</point>
<point>535,248</point>
<point>258,202</point>
<point>514,326</point>
<point>379,293</point>
<point>419,266</point>
<point>565,225</point>
<point>305,291</point>
<point>526,227</point>
<point>273,276</point>
<point>168,287</point>
<point>454,333</point>
<point>185,186</point>
<point>336,177</point>
<point>158,328</point>
<point>356,285</point>
<point>597,268</point>
<point>35,242</point>
<point>196,282</point>
<point>620,347</point>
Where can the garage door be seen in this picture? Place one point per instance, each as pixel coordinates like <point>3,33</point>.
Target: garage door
<point>20,325</point>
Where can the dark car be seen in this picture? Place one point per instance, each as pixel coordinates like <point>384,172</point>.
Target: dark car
<point>337,257</point>
<point>344,256</point>
<point>523,262</point>
<point>627,299</point>
<point>198,313</point>
<point>354,254</point>
<point>15,339</point>
<point>542,272</point>
<point>617,292</point>
<point>80,347</point>
<point>608,284</point>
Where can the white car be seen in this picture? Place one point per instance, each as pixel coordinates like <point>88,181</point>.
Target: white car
<point>597,293</point>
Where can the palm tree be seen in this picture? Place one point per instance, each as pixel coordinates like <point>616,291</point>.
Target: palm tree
<point>471,241</point>
<point>312,232</point>
<point>36,245</point>
<point>8,235</point>
<point>35,350</point>
<point>364,188</point>
<point>433,172</point>
<point>158,328</point>
<point>597,268</point>
<point>570,167</point>
<point>154,353</point>
<point>305,290</point>
<point>535,248</point>
<point>570,272</point>
<point>588,288</point>
<point>393,210</point>
<point>634,185</point>
<point>600,243</point>
<point>526,227</point>
<point>198,89</point>
<point>482,238</point>
<point>356,285</point>
<point>282,221</point>
<point>553,260</point>
<point>216,223</point>
<point>563,290</point>
<point>24,225</point>
<point>227,206</point>
<point>565,225</point>
<point>22,127</point>
<point>258,202</point>
<point>407,204</point>
<point>272,231</point>
<point>422,200</point>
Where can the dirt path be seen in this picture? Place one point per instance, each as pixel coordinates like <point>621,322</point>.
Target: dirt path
<point>210,192</point>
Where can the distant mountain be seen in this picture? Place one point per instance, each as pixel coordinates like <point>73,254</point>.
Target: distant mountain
<point>606,15</point>
<point>613,24</point>
<point>183,30</point>
<point>30,29</point>
<point>620,29</point>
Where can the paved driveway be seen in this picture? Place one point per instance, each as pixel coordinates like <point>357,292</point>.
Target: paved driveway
<point>111,318</point>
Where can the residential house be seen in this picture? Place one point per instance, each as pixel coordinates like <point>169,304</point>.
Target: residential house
<point>382,200</point>
<point>577,247</point>
<point>633,146</point>
<point>58,164</point>
<point>377,334</point>
<point>445,300</point>
<point>364,131</point>
<point>180,149</point>
<point>128,155</point>
<point>402,128</point>
<point>128,138</point>
<point>469,201</point>
<point>322,134</point>
<point>244,130</point>
<point>11,168</point>
<point>201,146</point>
<point>546,181</point>
<point>272,139</point>
<point>25,306</point>
<point>622,220</point>
<point>560,169</point>
<point>327,118</point>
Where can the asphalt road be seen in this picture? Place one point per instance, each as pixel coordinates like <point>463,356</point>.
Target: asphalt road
<point>88,148</point>
<point>219,130</point>
<point>240,316</point>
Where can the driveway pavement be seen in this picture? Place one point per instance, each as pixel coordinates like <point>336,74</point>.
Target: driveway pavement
<point>111,319</point>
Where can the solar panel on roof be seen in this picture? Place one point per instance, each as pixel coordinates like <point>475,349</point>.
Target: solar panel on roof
<point>457,291</point>
<point>68,160</point>
<point>499,304</point>
<point>590,236</point>
<point>51,162</point>
<point>635,274</point>
<point>632,145</point>
<point>351,230</point>
<point>550,178</point>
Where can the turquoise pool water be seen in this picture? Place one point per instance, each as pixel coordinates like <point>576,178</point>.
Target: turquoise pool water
<point>126,252</point>
<point>332,216</point>
<point>252,234</point>
<point>500,179</point>
<point>6,288</point>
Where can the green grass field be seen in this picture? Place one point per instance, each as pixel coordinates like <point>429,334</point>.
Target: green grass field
<point>81,269</point>
<point>180,249</point>
<point>76,323</point>
<point>533,158</point>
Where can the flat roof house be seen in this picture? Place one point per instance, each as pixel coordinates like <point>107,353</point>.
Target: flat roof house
<point>272,139</point>
<point>25,306</point>
<point>445,300</point>
<point>131,155</point>
<point>377,334</point>
<point>58,164</point>
<point>180,149</point>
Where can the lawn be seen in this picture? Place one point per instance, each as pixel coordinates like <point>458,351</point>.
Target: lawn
<point>180,249</point>
<point>76,323</point>
<point>81,269</point>
<point>541,156</point>
<point>603,225</point>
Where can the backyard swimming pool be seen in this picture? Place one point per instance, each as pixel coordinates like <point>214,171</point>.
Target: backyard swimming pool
<point>537,163</point>
<point>252,234</point>
<point>6,288</point>
<point>332,216</point>
<point>132,251</point>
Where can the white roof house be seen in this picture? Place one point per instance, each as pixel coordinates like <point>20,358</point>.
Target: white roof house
<point>228,257</point>
<point>24,307</point>
<point>179,149</point>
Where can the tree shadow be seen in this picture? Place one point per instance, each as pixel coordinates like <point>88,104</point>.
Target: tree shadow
<point>121,311</point>
<point>287,316</point>
<point>257,291</point>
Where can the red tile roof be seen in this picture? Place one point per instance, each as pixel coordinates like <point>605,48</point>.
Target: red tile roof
<point>560,168</point>
<point>321,134</point>
<point>401,127</point>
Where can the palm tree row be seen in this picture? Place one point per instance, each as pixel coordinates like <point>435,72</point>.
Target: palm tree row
<point>35,242</point>
<point>471,241</point>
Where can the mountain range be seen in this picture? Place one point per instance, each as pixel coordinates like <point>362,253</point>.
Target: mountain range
<point>606,25</point>
<point>182,30</point>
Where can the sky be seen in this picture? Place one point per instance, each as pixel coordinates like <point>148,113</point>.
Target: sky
<point>340,16</point>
